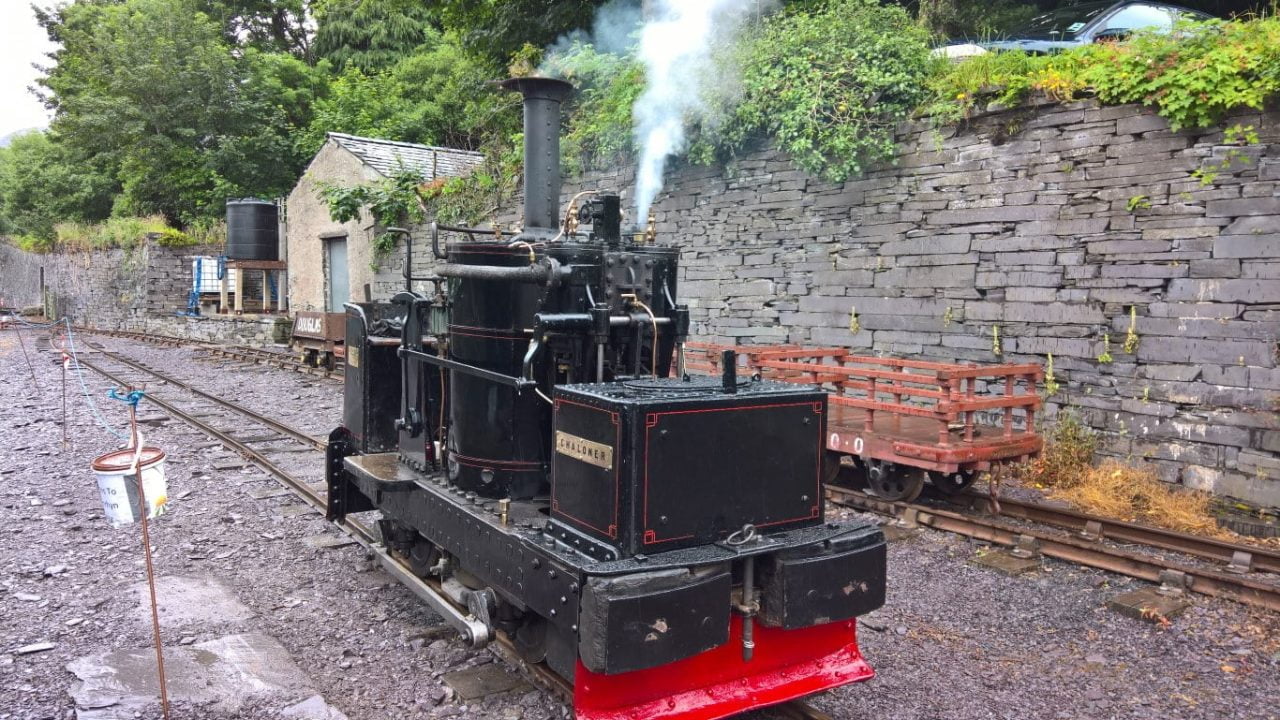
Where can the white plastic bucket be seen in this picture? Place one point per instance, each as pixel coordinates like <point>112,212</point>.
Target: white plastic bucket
<point>118,486</point>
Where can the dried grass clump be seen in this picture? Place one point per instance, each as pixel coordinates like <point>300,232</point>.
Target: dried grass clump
<point>1135,493</point>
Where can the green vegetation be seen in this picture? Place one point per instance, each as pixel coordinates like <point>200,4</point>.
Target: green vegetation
<point>390,203</point>
<point>1192,76</point>
<point>598,128</point>
<point>827,86</point>
<point>167,107</point>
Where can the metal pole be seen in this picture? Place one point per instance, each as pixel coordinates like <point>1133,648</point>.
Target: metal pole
<point>18,331</point>
<point>748,608</point>
<point>151,575</point>
<point>65,442</point>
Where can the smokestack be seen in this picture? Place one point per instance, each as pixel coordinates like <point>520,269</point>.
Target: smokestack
<point>542,98</point>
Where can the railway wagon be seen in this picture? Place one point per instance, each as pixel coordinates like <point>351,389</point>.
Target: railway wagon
<point>900,421</point>
<point>319,338</point>
<point>541,460</point>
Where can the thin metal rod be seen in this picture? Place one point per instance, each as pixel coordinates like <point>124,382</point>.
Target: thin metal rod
<point>26,357</point>
<point>65,441</point>
<point>151,575</point>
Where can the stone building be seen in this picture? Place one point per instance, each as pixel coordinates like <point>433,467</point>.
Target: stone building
<point>330,262</point>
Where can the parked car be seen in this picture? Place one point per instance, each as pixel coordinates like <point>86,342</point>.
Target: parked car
<point>1074,25</point>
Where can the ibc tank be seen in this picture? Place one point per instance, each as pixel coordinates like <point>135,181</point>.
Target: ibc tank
<point>253,230</point>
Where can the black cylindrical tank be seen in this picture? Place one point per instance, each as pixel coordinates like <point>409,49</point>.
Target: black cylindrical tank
<point>499,437</point>
<point>253,229</point>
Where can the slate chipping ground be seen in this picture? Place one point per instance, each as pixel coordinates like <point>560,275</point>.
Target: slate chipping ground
<point>954,642</point>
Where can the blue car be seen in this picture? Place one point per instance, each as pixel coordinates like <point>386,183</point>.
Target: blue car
<point>1075,25</point>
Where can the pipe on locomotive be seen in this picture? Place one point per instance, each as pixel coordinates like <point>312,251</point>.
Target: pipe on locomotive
<point>549,272</point>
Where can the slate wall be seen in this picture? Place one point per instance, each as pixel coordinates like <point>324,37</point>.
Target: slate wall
<point>139,289</point>
<point>1050,224</point>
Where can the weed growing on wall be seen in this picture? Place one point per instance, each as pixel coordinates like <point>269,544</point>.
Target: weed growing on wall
<point>1105,356</point>
<point>1236,136</point>
<point>120,232</point>
<point>1131,335</point>
<point>1051,386</point>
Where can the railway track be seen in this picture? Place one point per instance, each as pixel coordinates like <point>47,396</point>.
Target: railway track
<point>240,353</point>
<point>315,496</point>
<point>1087,549</point>
<point>1072,536</point>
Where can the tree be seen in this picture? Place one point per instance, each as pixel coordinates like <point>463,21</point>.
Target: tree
<point>369,35</point>
<point>496,29</point>
<point>437,95</point>
<point>42,183</point>
<point>276,104</point>
<point>151,91</point>
<point>270,25</point>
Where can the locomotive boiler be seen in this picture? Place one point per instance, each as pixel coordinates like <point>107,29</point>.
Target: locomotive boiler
<point>549,473</point>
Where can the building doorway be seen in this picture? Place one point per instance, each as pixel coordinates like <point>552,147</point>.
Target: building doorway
<point>338,280</point>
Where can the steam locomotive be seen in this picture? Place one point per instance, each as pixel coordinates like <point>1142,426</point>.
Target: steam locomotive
<point>548,471</point>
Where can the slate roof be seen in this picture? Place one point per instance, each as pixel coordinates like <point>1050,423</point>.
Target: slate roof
<point>388,157</point>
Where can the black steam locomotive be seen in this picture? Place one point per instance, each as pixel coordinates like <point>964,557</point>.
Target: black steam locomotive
<point>657,540</point>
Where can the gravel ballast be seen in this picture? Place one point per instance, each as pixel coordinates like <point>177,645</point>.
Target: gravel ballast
<point>955,641</point>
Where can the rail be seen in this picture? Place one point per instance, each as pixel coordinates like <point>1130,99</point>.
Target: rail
<point>240,353</point>
<point>1072,548</point>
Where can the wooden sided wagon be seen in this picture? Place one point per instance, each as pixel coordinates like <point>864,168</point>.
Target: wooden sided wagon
<point>902,422</point>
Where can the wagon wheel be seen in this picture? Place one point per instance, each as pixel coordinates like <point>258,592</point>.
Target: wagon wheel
<point>831,466</point>
<point>953,484</point>
<point>896,483</point>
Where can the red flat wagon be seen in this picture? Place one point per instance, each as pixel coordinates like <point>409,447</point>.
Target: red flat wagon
<point>903,422</point>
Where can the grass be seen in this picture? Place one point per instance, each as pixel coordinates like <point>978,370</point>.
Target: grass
<point>1135,493</point>
<point>1065,470</point>
<point>122,232</point>
<point>116,232</point>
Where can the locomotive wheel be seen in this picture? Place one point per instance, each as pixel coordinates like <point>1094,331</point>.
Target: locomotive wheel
<point>896,483</point>
<point>531,639</point>
<point>953,484</point>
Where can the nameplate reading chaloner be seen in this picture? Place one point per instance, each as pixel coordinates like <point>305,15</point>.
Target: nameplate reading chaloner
<point>587,451</point>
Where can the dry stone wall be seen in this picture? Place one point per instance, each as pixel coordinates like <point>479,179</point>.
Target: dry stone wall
<point>140,289</point>
<point>1047,227</point>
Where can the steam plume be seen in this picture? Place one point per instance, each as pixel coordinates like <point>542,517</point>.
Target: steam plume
<point>613,30</point>
<point>675,47</point>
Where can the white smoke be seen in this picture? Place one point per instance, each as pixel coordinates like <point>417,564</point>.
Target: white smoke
<point>676,49</point>
<point>613,30</point>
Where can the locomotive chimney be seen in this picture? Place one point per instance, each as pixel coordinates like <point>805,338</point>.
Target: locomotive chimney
<point>542,98</point>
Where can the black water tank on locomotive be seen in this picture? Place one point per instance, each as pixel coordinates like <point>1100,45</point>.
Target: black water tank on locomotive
<point>253,229</point>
